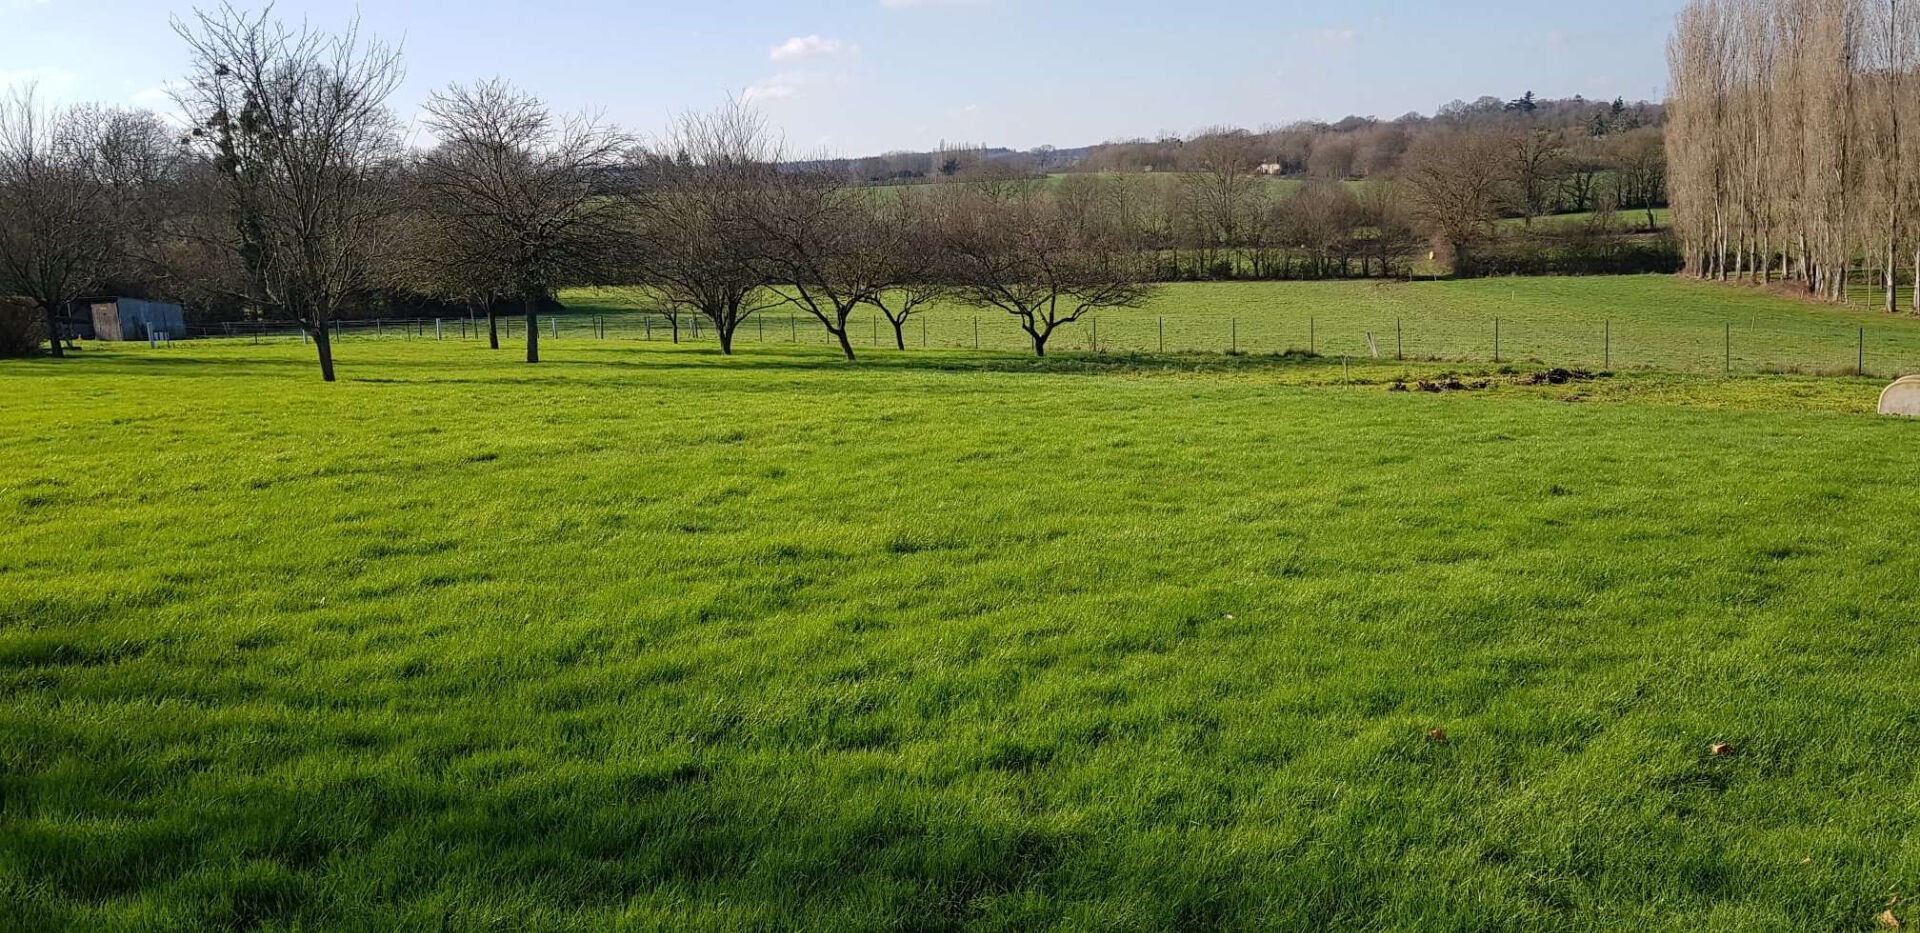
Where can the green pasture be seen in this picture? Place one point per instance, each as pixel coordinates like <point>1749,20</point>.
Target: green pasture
<point>1622,322</point>
<point>648,638</point>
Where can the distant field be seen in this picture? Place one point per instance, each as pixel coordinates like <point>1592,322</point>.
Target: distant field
<point>1655,322</point>
<point>1630,220</point>
<point>645,638</point>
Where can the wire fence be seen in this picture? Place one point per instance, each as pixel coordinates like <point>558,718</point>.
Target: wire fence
<point>1813,347</point>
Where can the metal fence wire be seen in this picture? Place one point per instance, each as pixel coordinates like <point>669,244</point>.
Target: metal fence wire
<point>1814,348</point>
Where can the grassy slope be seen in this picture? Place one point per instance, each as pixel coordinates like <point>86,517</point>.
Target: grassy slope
<point>1657,322</point>
<point>645,637</point>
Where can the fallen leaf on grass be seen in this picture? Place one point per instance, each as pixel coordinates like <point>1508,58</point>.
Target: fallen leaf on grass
<point>1437,736</point>
<point>1888,921</point>
<point>1722,749</point>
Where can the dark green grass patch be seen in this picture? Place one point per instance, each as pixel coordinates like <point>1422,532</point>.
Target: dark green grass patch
<point>645,638</point>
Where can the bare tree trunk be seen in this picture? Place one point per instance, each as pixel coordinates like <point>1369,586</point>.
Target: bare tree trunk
<point>899,333</point>
<point>1039,340</point>
<point>53,332</point>
<point>323,344</point>
<point>533,329</point>
<point>846,346</point>
<point>1893,280</point>
<point>493,328</point>
<point>724,330</point>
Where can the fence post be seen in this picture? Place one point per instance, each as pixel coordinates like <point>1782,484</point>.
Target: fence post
<point>1398,353</point>
<point>1096,335</point>
<point>793,329</point>
<point>761,322</point>
<point>923,333</point>
<point>1313,344</point>
<point>1233,335</point>
<point>438,333</point>
<point>1729,347</point>
<point>875,318</point>
<point>554,323</point>
<point>1860,368</point>
<point>1496,340</point>
<point>1163,335</point>
<point>1606,344</point>
<point>976,333</point>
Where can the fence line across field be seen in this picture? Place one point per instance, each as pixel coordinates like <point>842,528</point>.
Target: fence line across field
<point>1829,350</point>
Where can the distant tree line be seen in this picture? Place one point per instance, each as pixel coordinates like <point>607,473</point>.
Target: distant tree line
<point>1796,142</point>
<point>1351,149</point>
<point>1363,197</point>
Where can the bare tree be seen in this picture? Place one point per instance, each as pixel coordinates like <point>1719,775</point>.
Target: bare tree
<point>444,261</point>
<point>56,220</point>
<point>1018,253</point>
<point>522,196</point>
<point>1536,159</point>
<point>1381,209</point>
<point>823,242</point>
<point>912,242</point>
<point>1321,218</point>
<point>304,149</point>
<point>1638,160</point>
<point>1455,181</point>
<point>1223,190</point>
<point>698,243</point>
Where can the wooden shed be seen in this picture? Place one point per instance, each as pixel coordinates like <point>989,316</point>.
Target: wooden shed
<point>135,319</point>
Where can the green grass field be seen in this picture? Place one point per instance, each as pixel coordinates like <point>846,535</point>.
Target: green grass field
<point>1624,322</point>
<point>647,638</point>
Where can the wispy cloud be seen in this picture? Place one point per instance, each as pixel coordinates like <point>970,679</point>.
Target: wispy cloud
<point>811,48</point>
<point>775,88</point>
<point>789,85</point>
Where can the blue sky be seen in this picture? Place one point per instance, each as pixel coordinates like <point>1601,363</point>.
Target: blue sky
<point>854,77</point>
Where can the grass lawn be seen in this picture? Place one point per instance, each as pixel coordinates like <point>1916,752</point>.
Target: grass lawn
<point>1619,322</point>
<point>645,638</point>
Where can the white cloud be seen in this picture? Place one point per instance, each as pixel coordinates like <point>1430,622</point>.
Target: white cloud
<point>770,89</point>
<point>806,48</point>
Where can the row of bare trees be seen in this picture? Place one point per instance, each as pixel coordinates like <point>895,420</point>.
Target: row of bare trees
<point>292,196</point>
<point>1795,140</point>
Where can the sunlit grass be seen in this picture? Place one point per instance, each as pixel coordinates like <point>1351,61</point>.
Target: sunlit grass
<point>1618,322</point>
<point>647,638</point>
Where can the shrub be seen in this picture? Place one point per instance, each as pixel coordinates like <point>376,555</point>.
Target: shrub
<point>22,328</point>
